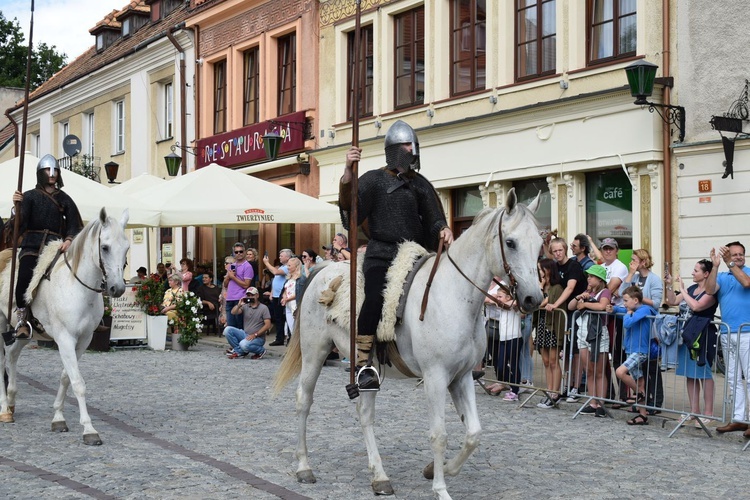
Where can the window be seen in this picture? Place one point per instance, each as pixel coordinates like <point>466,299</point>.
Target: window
<point>88,133</point>
<point>119,126</point>
<point>126,27</point>
<point>409,59</point>
<point>287,52</point>
<point>527,191</point>
<point>220,97</point>
<point>251,113</point>
<point>168,110</point>
<point>612,29</point>
<point>365,76</point>
<point>609,208</point>
<point>467,202</point>
<point>35,139</point>
<point>468,42</point>
<point>535,38</point>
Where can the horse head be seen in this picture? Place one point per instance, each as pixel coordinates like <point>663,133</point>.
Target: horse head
<point>515,246</point>
<point>113,249</point>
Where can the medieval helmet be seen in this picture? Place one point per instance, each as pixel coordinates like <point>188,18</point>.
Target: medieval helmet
<point>48,162</point>
<point>395,155</point>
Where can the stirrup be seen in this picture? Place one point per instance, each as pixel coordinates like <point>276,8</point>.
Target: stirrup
<point>25,335</point>
<point>371,373</point>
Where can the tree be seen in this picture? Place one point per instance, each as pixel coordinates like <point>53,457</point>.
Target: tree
<point>46,61</point>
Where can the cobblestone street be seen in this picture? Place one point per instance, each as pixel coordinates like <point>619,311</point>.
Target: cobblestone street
<point>197,425</point>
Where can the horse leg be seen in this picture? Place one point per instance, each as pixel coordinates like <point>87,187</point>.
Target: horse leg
<point>381,485</point>
<point>10,369</point>
<point>58,419</point>
<point>434,389</point>
<point>70,356</point>
<point>464,398</point>
<point>312,363</point>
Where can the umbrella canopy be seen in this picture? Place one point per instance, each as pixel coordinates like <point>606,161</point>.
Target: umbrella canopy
<point>216,195</point>
<point>90,196</point>
<point>137,184</point>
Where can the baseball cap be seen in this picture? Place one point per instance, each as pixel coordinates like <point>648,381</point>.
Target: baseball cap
<point>251,291</point>
<point>141,270</point>
<point>327,247</point>
<point>610,242</point>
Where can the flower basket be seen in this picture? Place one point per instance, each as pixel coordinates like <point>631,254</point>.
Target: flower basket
<point>150,294</point>
<point>189,319</point>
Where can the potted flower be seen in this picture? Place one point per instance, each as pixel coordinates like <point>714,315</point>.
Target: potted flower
<point>149,295</point>
<point>188,322</point>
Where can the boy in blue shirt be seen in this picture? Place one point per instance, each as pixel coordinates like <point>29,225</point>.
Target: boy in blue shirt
<point>636,343</point>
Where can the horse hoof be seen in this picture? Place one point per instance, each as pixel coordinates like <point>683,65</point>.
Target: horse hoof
<point>59,426</point>
<point>92,439</point>
<point>429,471</point>
<point>382,488</point>
<point>7,418</point>
<point>306,477</point>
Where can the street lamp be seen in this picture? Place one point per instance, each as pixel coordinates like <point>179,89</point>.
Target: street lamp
<point>641,78</point>
<point>111,168</point>
<point>173,162</point>
<point>272,145</point>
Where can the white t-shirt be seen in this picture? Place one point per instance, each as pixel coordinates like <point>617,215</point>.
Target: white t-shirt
<point>616,270</point>
<point>509,322</point>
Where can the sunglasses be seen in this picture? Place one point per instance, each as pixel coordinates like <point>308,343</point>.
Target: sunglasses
<point>239,251</point>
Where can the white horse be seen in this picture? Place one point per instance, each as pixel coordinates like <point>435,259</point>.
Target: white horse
<point>442,349</point>
<point>69,306</point>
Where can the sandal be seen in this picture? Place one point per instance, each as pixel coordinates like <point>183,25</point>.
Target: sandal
<point>640,398</point>
<point>495,389</point>
<point>638,420</point>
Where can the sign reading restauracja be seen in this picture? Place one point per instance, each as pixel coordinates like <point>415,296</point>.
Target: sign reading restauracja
<point>245,145</point>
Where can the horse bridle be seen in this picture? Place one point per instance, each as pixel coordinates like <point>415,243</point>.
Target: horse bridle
<point>101,268</point>
<point>510,289</point>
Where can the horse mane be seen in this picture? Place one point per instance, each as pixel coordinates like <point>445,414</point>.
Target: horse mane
<point>78,245</point>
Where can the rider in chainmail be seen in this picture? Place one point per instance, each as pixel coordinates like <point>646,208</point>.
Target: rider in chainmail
<point>399,205</point>
<point>47,214</point>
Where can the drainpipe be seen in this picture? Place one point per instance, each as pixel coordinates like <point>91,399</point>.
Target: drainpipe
<point>15,134</point>
<point>183,119</point>
<point>666,138</point>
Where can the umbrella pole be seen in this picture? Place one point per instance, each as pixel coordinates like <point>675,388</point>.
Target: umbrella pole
<point>7,335</point>
<point>353,236</point>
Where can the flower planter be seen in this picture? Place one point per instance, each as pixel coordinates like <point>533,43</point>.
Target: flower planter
<point>156,330</point>
<point>100,339</point>
<point>176,344</point>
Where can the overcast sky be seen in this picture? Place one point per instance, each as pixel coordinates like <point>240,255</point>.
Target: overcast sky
<point>63,23</point>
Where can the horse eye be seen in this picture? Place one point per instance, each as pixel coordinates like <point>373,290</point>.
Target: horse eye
<point>511,244</point>
<point>105,248</point>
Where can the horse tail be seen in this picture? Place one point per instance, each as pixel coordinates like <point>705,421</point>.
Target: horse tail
<point>291,364</point>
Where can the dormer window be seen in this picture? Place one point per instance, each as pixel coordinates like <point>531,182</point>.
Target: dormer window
<point>100,42</point>
<point>126,27</point>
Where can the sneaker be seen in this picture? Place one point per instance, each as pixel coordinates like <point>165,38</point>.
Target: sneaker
<point>229,351</point>
<point>588,410</point>
<point>259,356</point>
<point>546,404</point>
<point>572,395</point>
<point>510,396</point>
<point>276,343</point>
<point>600,413</point>
<point>344,360</point>
<point>235,355</point>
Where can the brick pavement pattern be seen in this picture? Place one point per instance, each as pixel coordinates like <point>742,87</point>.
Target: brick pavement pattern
<point>197,425</point>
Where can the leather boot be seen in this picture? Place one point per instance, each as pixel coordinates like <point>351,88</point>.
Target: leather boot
<point>367,376</point>
<point>23,331</point>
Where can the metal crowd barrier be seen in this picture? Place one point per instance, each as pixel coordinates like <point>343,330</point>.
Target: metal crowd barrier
<point>737,360</point>
<point>666,391</point>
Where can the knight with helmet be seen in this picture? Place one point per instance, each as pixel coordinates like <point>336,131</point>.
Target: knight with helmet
<point>46,214</point>
<point>398,204</point>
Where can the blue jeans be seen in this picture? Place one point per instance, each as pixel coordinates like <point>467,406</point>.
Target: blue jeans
<point>234,320</point>
<point>237,338</point>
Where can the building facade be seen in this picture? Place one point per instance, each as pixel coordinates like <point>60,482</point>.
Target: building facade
<point>526,94</point>
<point>257,74</point>
<point>121,98</point>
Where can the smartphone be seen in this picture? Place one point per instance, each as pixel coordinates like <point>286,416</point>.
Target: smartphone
<point>265,254</point>
<point>232,267</point>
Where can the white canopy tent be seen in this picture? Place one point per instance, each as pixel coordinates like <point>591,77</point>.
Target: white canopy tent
<point>90,196</point>
<point>221,197</point>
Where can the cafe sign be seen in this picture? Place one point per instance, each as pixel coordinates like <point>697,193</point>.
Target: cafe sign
<point>245,145</point>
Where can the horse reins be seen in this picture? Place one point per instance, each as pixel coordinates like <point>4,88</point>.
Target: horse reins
<point>101,268</point>
<point>511,290</point>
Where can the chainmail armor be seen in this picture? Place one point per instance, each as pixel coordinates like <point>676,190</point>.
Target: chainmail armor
<point>396,157</point>
<point>411,212</point>
<point>39,214</point>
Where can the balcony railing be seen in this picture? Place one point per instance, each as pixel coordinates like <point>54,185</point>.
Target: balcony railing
<point>85,165</point>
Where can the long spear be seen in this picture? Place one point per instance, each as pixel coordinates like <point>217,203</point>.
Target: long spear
<point>353,219</point>
<point>16,205</point>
